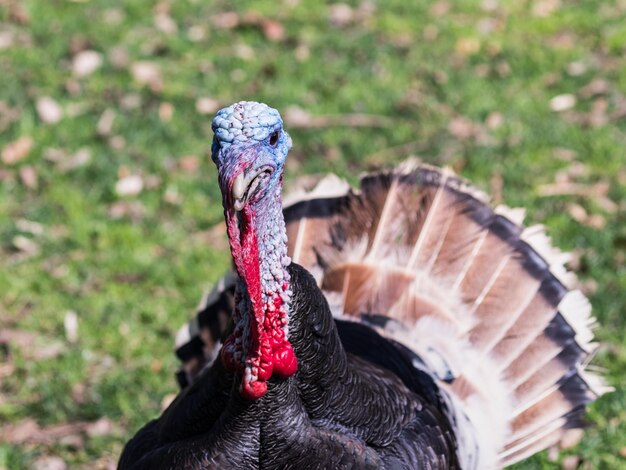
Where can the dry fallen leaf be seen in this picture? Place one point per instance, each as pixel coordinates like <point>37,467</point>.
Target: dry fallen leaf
<point>85,63</point>
<point>543,8</point>
<point>571,438</point>
<point>440,8</point>
<point>70,323</point>
<point>575,69</point>
<point>29,226</point>
<point>17,150</point>
<point>226,20</point>
<point>147,73</point>
<point>494,120</point>
<point>130,185</point>
<point>567,188</point>
<point>207,105</point>
<point>597,86</point>
<point>273,30</point>
<point>340,14</point>
<point>562,102</point>
<point>118,57</point>
<point>28,431</point>
<point>189,163</point>
<point>28,176</point>
<point>196,33</point>
<point>105,123</point>
<point>165,23</point>
<point>462,128</point>
<point>49,110</point>
<point>25,245</point>
<point>102,427</point>
<point>570,462</point>
<point>81,158</point>
<point>172,196</point>
<point>467,46</point>
<point>134,210</point>
<point>166,111</point>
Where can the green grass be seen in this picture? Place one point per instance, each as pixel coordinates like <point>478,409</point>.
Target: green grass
<point>466,84</point>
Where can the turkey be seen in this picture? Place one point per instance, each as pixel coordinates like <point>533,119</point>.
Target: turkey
<point>405,324</point>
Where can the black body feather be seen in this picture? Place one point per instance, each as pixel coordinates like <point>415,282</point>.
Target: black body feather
<point>348,406</point>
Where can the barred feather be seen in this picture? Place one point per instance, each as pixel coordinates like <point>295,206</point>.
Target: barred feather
<point>483,301</point>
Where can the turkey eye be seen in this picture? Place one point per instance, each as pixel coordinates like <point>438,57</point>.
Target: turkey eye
<point>274,139</point>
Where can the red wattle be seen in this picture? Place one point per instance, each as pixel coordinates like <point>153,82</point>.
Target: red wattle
<point>267,351</point>
<point>253,390</point>
<point>285,362</point>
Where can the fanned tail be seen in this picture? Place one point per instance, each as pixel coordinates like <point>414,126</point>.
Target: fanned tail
<point>483,301</point>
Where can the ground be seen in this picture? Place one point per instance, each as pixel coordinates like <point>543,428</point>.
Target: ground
<point>110,216</point>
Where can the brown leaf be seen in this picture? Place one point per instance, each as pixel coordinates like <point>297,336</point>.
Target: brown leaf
<point>571,438</point>
<point>48,351</point>
<point>130,185</point>
<point>6,370</point>
<point>494,120</point>
<point>562,102</point>
<point>172,196</point>
<point>102,427</point>
<point>29,432</point>
<point>148,74</point>
<point>70,323</point>
<point>18,13</point>
<point>461,128</point>
<point>25,245</point>
<point>17,150</point>
<point>467,46</point>
<point>19,338</point>
<point>577,68</point>
<point>20,432</point>
<point>119,58</point>
<point>49,110</point>
<point>165,23</point>
<point>597,86</point>
<point>166,111</point>
<point>81,158</point>
<point>440,8</point>
<point>496,185</point>
<point>273,30</point>
<point>85,63</point>
<point>341,14</point>
<point>28,176</point>
<point>196,33</point>
<point>564,154</point>
<point>207,105</point>
<point>570,462</point>
<point>105,123</point>
<point>543,8</point>
<point>226,20</point>
<point>566,188</point>
<point>49,462</point>
<point>134,210</point>
<point>74,441</point>
<point>189,163</point>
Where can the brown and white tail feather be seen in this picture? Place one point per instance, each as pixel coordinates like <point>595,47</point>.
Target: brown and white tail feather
<point>482,300</point>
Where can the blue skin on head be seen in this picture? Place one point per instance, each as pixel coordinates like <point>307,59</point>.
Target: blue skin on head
<point>248,135</point>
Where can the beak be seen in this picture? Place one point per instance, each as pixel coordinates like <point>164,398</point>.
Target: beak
<point>246,185</point>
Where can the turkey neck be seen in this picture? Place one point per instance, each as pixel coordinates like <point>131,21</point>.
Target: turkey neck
<point>259,346</point>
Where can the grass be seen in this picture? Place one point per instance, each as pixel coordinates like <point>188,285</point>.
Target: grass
<point>467,84</point>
